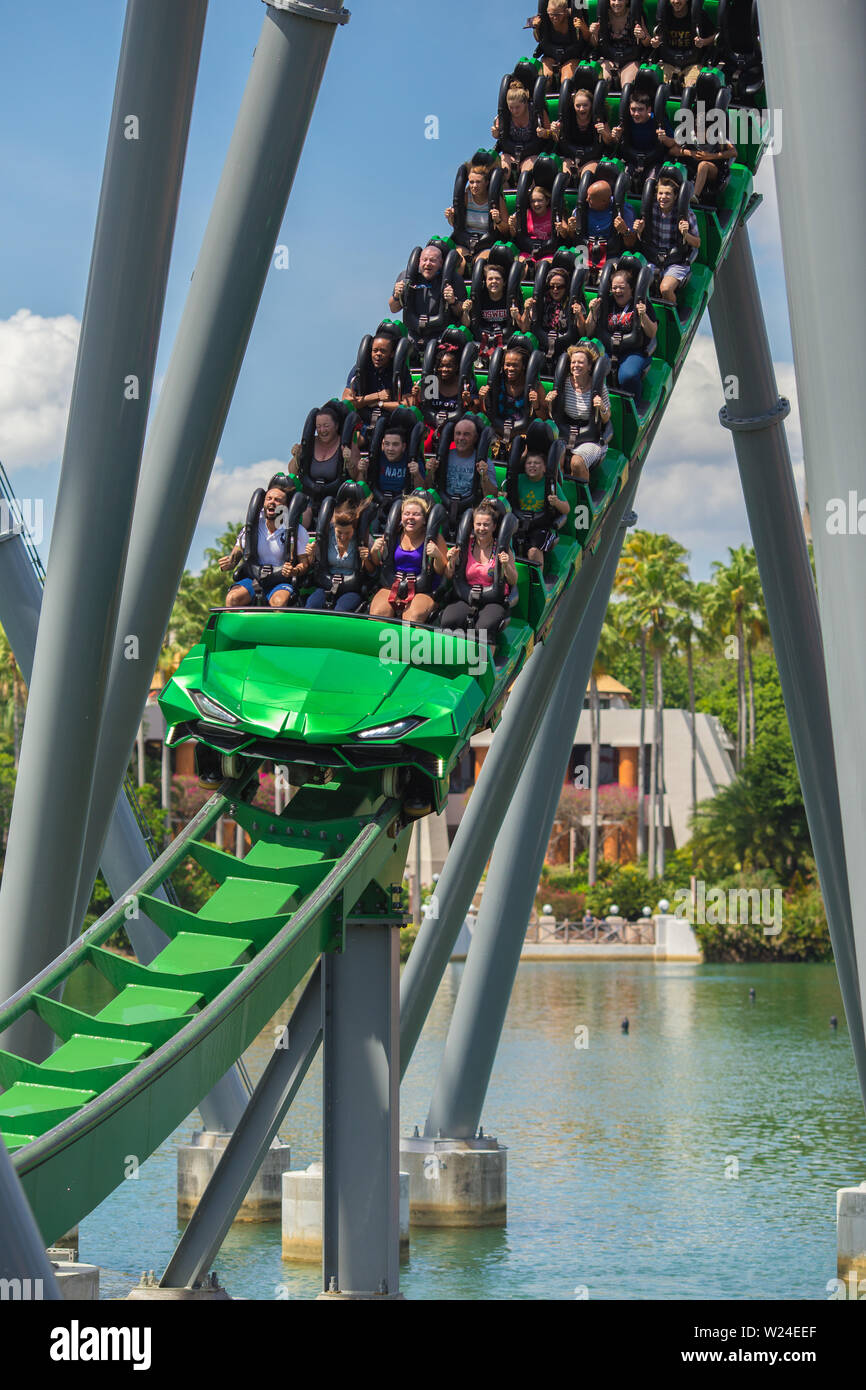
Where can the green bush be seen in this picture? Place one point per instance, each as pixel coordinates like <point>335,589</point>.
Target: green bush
<point>629,888</point>
<point>804,936</point>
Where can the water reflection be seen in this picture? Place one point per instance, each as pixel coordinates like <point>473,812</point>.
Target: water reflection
<point>620,1172</point>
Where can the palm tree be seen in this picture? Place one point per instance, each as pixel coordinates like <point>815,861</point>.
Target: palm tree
<point>610,645</point>
<point>651,573</point>
<point>731,601</point>
<point>757,629</point>
<point>689,633</point>
<point>633,632</point>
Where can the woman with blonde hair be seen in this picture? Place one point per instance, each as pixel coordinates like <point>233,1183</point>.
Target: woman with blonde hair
<point>583,417</point>
<point>520,134</point>
<point>411,566</point>
<point>562,39</point>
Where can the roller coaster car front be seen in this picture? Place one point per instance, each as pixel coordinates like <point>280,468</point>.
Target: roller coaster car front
<point>329,691</point>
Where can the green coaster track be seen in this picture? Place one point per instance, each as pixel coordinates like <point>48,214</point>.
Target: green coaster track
<point>124,1077</point>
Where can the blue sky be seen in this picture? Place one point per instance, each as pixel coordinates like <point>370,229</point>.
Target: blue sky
<point>370,186</point>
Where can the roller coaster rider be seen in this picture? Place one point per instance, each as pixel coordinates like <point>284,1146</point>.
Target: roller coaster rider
<point>396,461</point>
<point>328,446</point>
<point>514,393</point>
<point>580,407</point>
<point>272,548</point>
<point>625,321</point>
<point>430,291</point>
<point>492,311</point>
<point>462,472</point>
<point>534,490</point>
<point>481,567</point>
<point>478,214</point>
<point>621,35</point>
<point>562,40</point>
<point>668,230</point>
<point>447,383</point>
<point>411,558</point>
<point>681,40</point>
<point>339,557</point>
<point>380,378</point>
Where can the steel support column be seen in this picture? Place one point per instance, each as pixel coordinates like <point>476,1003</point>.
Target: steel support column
<point>756,419</point>
<point>125,856</point>
<point>361,1098</point>
<point>218,316</point>
<point>476,835</point>
<point>245,1152</point>
<point>101,457</point>
<point>22,1251</point>
<point>491,966</point>
<point>813,172</point>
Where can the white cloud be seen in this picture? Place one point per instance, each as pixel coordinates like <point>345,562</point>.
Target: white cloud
<point>37,362</point>
<point>230,489</point>
<point>691,485</point>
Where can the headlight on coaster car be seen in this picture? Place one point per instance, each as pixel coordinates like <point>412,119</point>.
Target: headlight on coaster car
<point>395,730</point>
<point>210,709</point>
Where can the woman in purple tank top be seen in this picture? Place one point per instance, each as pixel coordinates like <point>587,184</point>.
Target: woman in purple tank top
<point>402,598</point>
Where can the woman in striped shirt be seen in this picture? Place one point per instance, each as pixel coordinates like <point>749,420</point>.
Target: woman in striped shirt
<point>585,416</point>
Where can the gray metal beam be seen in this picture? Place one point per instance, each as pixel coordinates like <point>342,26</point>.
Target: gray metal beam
<point>22,1250</point>
<point>500,930</point>
<point>221,304</point>
<point>101,457</point>
<point>361,1100</point>
<point>813,172</point>
<point>476,835</point>
<point>200,1243</point>
<point>125,856</point>
<point>756,418</point>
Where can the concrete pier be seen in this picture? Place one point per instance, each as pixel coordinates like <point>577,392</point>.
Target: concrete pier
<point>302,1215</point>
<point>851,1233</point>
<point>78,1283</point>
<point>195,1166</point>
<point>456,1182</point>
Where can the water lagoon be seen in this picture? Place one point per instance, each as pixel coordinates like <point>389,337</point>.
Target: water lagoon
<point>696,1156</point>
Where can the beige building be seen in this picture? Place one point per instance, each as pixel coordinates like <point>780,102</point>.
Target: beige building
<point>619,728</point>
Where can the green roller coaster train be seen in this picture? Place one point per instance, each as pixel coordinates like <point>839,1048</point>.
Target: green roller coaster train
<point>358,712</point>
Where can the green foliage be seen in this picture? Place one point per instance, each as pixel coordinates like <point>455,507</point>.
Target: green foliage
<point>759,821</point>
<point>407,940</point>
<point>7,791</point>
<point>630,889</point>
<point>199,593</point>
<point>804,936</point>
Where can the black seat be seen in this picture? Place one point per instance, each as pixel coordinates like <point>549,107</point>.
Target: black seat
<point>572,434</point>
<point>497,177</point>
<point>541,438</point>
<point>567,260</point>
<point>546,173</point>
<point>740,48</point>
<point>587,78</point>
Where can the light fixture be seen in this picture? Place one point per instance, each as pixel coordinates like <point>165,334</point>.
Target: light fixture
<point>395,730</point>
<point>210,709</point>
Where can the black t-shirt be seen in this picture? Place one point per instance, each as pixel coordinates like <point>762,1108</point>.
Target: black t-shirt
<point>425,296</point>
<point>682,33</point>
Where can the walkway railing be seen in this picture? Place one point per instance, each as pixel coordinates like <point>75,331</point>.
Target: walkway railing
<point>641,933</point>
